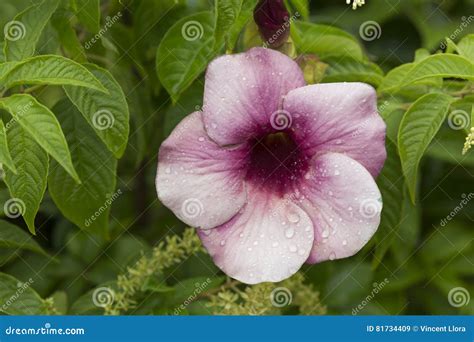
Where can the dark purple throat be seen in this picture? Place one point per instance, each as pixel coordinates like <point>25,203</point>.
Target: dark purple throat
<point>276,163</point>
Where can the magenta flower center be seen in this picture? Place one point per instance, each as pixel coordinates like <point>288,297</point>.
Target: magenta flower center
<point>276,163</point>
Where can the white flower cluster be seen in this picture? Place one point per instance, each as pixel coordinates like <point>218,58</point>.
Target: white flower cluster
<point>355,3</point>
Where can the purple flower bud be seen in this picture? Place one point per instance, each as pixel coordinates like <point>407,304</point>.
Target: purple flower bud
<point>272,20</point>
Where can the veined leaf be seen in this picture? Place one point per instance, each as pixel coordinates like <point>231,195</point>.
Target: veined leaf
<point>24,31</point>
<point>12,236</point>
<point>107,114</point>
<point>88,204</point>
<point>227,12</point>
<point>185,51</point>
<point>88,12</point>
<point>442,65</point>
<point>348,69</point>
<point>42,125</point>
<point>324,40</point>
<point>301,6</point>
<point>28,185</point>
<point>5,156</point>
<point>418,127</point>
<point>245,14</point>
<point>19,298</point>
<point>392,187</point>
<point>50,69</point>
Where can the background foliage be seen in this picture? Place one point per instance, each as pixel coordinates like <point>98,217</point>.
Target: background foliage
<point>90,88</point>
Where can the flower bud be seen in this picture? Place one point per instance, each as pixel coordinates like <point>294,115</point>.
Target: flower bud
<point>272,20</point>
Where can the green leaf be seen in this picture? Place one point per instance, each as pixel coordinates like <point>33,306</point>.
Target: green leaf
<point>442,65</point>
<point>5,156</point>
<point>88,12</point>
<point>51,70</point>
<point>12,236</point>
<point>466,47</point>
<point>42,125</point>
<point>68,37</point>
<point>325,41</point>
<point>19,298</point>
<point>246,13</point>
<point>301,7</point>
<point>418,127</point>
<point>227,12</point>
<point>107,114</point>
<point>392,187</point>
<point>88,204</point>
<point>447,146</point>
<point>25,30</point>
<point>28,185</point>
<point>348,69</point>
<point>185,51</point>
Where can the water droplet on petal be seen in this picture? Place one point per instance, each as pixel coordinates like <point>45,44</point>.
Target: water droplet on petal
<point>293,248</point>
<point>344,242</point>
<point>293,217</point>
<point>332,256</point>
<point>289,233</point>
<point>325,233</point>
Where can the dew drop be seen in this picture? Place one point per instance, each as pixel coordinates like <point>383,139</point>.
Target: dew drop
<point>332,256</point>
<point>289,233</point>
<point>201,139</point>
<point>325,233</point>
<point>344,242</point>
<point>275,244</point>
<point>293,217</point>
<point>293,248</point>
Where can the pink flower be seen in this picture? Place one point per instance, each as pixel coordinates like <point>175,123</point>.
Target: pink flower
<point>281,172</point>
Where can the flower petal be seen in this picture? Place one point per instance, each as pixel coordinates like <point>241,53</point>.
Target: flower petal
<point>268,241</point>
<point>344,203</point>
<point>339,117</point>
<point>198,180</point>
<point>242,91</point>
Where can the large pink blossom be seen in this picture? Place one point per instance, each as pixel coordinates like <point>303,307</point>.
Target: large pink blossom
<point>272,172</point>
